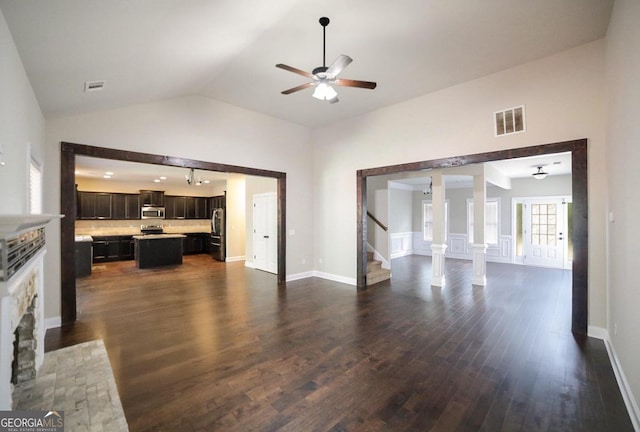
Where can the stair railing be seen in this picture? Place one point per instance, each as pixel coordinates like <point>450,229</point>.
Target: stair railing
<point>380,224</point>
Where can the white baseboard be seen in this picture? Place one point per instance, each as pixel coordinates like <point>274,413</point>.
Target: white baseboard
<point>235,259</point>
<point>598,333</point>
<point>298,276</point>
<point>335,278</point>
<point>249,264</point>
<point>54,322</point>
<point>625,389</point>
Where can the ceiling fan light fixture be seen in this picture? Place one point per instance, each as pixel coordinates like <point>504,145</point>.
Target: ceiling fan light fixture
<point>539,175</point>
<point>324,92</point>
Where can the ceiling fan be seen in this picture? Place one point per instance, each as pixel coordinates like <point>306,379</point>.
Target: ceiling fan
<point>324,77</point>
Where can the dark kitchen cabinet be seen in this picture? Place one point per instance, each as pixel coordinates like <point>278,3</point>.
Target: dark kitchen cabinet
<point>94,205</point>
<point>202,208</point>
<point>190,208</point>
<point>169,207</point>
<point>195,243</point>
<point>132,206</point>
<point>152,198</point>
<point>186,207</point>
<point>117,206</point>
<point>180,204</point>
<point>216,202</point>
<point>112,248</point>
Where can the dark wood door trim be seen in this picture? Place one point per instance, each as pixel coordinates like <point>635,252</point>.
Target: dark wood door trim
<point>68,206</point>
<point>579,177</point>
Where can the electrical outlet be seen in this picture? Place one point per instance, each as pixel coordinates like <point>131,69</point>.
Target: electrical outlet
<point>615,329</point>
<point>304,261</point>
<point>319,260</point>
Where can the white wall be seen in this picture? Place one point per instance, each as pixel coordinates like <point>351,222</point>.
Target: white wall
<point>196,128</point>
<point>21,127</point>
<point>564,99</point>
<point>623,160</point>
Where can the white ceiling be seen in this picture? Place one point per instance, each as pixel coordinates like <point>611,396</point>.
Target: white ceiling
<point>142,176</point>
<point>227,49</point>
<point>552,164</point>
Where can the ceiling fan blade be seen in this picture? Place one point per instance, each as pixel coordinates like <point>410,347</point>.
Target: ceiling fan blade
<point>294,70</point>
<point>355,83</point>
<point>298,88</point>
<point>338,66</point>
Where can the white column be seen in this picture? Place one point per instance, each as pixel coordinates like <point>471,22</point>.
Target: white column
<point>438,245</point>
<point>479,247</point>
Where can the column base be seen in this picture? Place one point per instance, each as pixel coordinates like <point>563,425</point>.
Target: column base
<point>479,264</point>
<point>437,264</point>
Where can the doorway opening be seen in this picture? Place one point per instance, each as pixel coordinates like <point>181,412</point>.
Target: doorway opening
<point>69,151</point>
<point>579,264</point>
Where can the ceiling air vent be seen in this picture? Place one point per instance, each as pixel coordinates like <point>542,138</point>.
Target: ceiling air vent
<point>509,121</point>
<point>91,86</point>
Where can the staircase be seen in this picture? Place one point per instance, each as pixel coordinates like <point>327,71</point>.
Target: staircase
<point>375,272</point>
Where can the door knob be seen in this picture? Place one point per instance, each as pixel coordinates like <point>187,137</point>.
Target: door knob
<point>266,236</point>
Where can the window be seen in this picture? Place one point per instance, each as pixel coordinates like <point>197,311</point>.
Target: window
<point>491,220</point>
<point>35,188</point>
<point>427,220</point>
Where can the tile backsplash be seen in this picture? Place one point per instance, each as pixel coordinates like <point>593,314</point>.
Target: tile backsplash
<point>132,227</point>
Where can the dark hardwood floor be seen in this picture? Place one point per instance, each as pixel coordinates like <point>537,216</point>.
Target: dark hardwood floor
<point>211,346</point>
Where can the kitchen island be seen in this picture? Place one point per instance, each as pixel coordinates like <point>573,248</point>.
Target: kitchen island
<point>155,250</point>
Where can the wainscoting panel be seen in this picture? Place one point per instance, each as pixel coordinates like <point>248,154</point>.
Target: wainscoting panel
<point>401,244</point>
<point>458,247</point>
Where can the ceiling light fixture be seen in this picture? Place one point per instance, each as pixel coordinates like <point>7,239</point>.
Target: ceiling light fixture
<point>324,92</point>
<point>539,175</point>
<point>189,176</point>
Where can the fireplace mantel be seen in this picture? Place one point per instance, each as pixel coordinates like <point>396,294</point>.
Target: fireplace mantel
<point>17,223</point>
<point>22,250</point>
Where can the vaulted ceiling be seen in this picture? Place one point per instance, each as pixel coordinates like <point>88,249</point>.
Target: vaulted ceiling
<point>148,50</point>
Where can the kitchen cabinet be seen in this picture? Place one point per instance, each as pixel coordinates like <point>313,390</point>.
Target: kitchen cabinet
<point>169,207</point>
<point>194,243</point>
<point>186,207</point>
<point>202,208</point>
<point>216,202</point>
<point>125,206</point>
<point>94,205</point>
<point>132,206</point>
<point>83,256</point>
<point>157,250</point>
<point>112,248</point>
<point>152,198</point>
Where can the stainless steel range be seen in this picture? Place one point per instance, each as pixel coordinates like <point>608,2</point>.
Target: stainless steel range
<point>151,229</point>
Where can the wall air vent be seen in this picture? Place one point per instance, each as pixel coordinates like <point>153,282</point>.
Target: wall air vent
<point>509,121</point>
<point>91,86</point>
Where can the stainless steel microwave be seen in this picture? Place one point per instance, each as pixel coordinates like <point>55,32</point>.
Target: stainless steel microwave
<point>152,213</point>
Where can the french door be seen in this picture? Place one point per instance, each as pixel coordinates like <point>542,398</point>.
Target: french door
<point>545,232</point>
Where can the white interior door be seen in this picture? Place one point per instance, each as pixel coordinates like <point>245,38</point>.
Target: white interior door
<point>265,228</point>
<point>544,232</point>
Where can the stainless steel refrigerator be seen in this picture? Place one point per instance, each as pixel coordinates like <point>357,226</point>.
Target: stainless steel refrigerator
<point>218,249</point>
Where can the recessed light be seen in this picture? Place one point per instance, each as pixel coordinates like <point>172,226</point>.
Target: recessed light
<point>106,176</point>
<point>163,178</point>
<point>109,173</point>
<point>206,182</point>
<point>156,180</point>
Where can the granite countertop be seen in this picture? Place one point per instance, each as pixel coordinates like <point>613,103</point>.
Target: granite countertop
<point>84,238</point>
<point>157,236</point>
